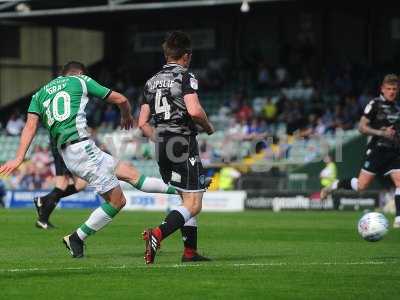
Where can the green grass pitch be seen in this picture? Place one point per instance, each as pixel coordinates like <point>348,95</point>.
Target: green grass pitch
<point>257,255</point>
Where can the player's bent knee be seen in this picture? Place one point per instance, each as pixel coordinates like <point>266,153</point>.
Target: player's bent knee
<point>194,210</point>
<point>192,201</point>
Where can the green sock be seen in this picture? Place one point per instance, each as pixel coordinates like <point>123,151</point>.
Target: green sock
<point>153,185</point>
<point>97,220</point>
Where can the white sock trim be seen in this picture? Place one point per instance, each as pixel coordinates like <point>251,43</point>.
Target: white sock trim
<point>191,222</point>
<point>81,234</point>
<point>184,212</point>
<point>154,185</point>
<point>354,184</point>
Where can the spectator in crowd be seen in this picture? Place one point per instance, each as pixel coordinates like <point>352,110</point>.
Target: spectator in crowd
<point>223,118</point>
<point>235,102</point>
<point>274,149</point>
<point>256,129</point>
<point>245,112</point>
<point>308,128</point>
<point>292,116</point>
<point>15,124</point>
<point>41,156</point>
<point>320,128</point>
<point>258,106</point>
<point>270,111</point>
<point>14,179</point>
<point>31,180</point>
<point>227,178</point>
<point>237,130</point>
<point>329,174</point>
<point>327,120</point>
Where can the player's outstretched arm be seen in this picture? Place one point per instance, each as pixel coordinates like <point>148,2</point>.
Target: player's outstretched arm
<point>197,112</point>
<point>125,108</point>
<point>27,135</point>
<point>143,124</point>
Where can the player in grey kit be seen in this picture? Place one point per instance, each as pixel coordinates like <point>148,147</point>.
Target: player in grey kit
<point>170,99</point>
<point>380,121</point>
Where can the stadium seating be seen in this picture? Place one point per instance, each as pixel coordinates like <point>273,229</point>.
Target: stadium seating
<point>300,150</point>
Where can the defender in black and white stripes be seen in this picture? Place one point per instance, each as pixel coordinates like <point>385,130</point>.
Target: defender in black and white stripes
<point>380,121</point>
<point>170,100</point>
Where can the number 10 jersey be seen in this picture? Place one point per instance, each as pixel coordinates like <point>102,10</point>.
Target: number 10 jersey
<point>61,103</point>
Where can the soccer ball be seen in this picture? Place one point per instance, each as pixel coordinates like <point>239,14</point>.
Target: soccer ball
<point>373,226</point>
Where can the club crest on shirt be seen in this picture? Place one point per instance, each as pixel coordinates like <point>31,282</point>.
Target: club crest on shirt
<point>202,179</point>
<point>193,83</point>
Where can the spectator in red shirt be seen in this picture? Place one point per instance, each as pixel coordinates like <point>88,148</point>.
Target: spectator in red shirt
<point>245,112</point>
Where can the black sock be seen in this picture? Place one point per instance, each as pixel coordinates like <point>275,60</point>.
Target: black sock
<point>345,184</point>
<point>189,235</point>
<point>397,202</point>
<point>54,195</point>
<point>51,200</point>
<point>70,190</point>
<point>172,223</point>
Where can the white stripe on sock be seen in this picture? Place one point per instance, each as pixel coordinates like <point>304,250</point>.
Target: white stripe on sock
<point>191,222</point>
<point>81,234</point>
<point>154,185</point>
<point>184,212</point>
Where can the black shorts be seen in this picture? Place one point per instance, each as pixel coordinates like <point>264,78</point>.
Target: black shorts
<point>61,168</point>
<point>381,160</point>
<point>179,162</point>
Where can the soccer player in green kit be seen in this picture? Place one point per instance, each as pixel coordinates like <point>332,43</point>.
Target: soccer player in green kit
<point>60,106</point>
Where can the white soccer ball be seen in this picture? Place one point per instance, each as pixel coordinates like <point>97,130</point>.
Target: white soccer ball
<point>373,226</point>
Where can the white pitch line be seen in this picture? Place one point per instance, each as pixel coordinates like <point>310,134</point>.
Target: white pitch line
<point>203,265</point>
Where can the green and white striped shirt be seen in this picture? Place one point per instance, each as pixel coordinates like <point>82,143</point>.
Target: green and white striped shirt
<point>61,103</point>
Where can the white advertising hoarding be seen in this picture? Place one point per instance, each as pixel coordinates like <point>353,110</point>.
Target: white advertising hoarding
<point>212,201</point>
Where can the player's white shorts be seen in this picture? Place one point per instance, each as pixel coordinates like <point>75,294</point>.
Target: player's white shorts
<point>86,160</point>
